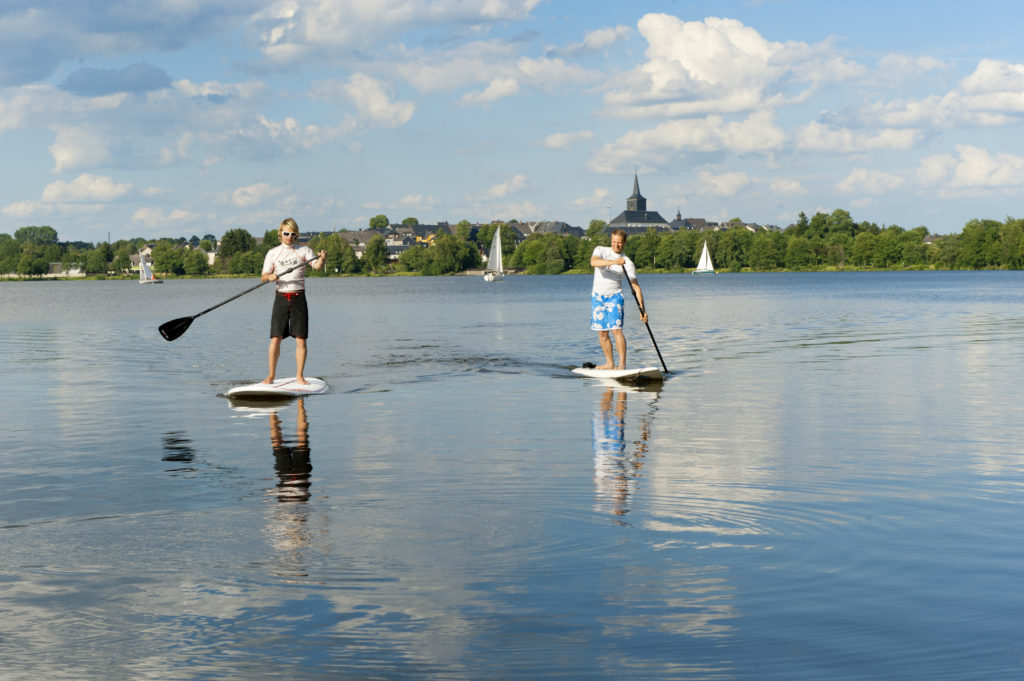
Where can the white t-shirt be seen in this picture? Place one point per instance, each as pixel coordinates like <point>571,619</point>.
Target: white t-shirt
<point>608,280</point>
<point>281,258</point>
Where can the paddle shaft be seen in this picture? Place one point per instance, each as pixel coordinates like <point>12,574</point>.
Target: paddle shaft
<point>248,290</point>
<point>176,327</point>
<point>641,307</point>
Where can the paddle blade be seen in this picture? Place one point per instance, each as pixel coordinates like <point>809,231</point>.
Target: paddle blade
<point>174,328</point>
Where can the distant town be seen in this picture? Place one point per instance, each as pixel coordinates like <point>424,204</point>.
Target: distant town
<point>823,241</point>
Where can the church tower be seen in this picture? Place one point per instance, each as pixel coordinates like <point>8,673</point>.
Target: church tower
<point>636,219</point>
<point>636,201</point>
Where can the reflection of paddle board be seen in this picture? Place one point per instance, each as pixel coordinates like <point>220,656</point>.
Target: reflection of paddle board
<point>628,375</point>
<point>280,388</point>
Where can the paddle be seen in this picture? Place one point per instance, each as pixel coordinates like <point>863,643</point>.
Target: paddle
<point>651,333</point>
<point>176,327</point>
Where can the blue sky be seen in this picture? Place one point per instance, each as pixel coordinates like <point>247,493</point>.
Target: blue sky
<point>177,117</point>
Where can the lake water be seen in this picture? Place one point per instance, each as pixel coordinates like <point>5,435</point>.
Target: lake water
<point>828,486</point>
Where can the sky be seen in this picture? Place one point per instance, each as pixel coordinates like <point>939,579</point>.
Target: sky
<point>155,118</point>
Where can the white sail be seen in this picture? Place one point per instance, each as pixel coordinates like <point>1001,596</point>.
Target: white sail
<point>705,266</point>
<point>146,274</point>
<point>494,260</point>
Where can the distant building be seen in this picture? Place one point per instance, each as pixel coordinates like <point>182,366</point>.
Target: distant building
<point>554,227</point>
<point>636,219</point>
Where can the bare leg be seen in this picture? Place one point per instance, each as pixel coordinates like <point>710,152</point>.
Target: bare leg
<point>620,343</point>
<point>272,354</point>
<point>300,360</point>
<point>606,348</point>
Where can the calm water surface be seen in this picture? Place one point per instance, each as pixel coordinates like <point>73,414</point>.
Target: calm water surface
<point>828,486</point>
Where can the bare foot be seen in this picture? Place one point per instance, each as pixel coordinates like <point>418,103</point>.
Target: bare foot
<point>606,365</point>
<point>268,380</point>
<point>301,380</point>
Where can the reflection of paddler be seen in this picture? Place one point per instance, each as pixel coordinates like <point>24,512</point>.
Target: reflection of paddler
<point>292,463</point>
<point>614,472</point>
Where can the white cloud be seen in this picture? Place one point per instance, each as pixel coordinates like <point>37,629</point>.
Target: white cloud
<point>515,184</point>
<point>758,133</point>
<point>724,184</point>
<point>373,101</point>
<point>290,135</point>
<point>787,186</point>
<point>992,95</point>
<point>974,170</point>
<point>994,77</point>
<point>597,199</point>
<point>717,65</point>
<point>254,194</point>
<point>565,140</point>
<point>600,39</point>
<point>27,209</point>
<point>85,188</point>
<point>76,148</point>
<point>900,66</point>
<point>499,88</point>
<point>291,30</point>
<point>153,217</point>
<point>15,110</point>
<point>817,136</point>
<point>864,181</point>
<point>417,202</point>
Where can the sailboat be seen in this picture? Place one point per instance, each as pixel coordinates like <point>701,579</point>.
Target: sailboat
<point>146,274</point>
<point>494,262</point>
<point>705,266</point>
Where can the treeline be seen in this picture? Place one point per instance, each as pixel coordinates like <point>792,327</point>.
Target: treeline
<point>824,241</point>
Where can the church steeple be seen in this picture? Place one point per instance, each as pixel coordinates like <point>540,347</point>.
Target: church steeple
<point>636,201</point>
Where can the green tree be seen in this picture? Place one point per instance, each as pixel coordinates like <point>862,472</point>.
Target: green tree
<point>863,250</point>
<point>375,258</point>
<point>168,259</point>
<point>236,241</point>
<point>379,222</point>
<point>271,239</point>
<point>122,260</point>
<point>416,258</point>
<point>645,248</point>
<point>800,254</point>
<point>411,222</point>
<point>464,230</point>
<point>37,236</point>
<point>10,254</point>
<point>733,248</point>
<point>763,255</point>
<point>30,264</point>
<point>96,262</point>
<point>595,228</point>
<point>888,248</point>
<point>195,263</point>
<point>248,262</point>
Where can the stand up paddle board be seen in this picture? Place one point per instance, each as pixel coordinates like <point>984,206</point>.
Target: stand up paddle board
<point>627,375</point>
<point>280,388</point>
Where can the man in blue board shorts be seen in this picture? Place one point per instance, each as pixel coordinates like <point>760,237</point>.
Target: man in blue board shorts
<point>606,300</point>
<point>290,316</point>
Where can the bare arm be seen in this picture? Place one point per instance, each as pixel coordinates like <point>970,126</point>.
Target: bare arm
<point>601,262</point>
<point>640,300</point>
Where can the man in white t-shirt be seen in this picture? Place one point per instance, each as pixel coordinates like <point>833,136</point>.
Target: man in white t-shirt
<point>289,316</point>
<point>606,300</point>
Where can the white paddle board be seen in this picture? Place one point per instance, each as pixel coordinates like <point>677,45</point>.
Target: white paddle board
<point>281,387</point>
<point>628,375</point>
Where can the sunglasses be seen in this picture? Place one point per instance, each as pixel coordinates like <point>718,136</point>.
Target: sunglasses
<point>290,233</point>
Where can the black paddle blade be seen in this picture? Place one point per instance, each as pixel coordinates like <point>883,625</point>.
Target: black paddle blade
<point>174,328</point>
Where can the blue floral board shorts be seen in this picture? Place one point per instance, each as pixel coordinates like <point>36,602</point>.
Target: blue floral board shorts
<point>606,311</point>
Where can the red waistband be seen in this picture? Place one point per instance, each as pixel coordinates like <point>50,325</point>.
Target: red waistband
<point>290,294</point>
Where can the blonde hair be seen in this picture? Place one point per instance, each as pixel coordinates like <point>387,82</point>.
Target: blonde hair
<point>288,222</point>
